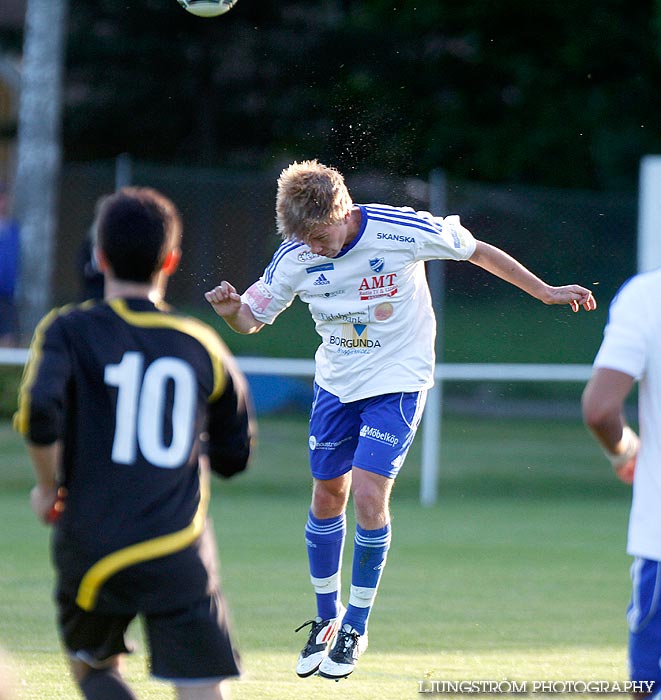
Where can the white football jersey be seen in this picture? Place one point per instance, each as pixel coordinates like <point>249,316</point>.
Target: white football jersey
<point>631,345</point>
<point>371,304</point>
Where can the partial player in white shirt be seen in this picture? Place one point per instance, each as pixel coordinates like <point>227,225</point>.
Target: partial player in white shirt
<point>360,269</point>
<point>631,352</point>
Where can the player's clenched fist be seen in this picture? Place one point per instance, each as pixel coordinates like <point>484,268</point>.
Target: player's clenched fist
<point>224,299</point>
<point>226,302</point>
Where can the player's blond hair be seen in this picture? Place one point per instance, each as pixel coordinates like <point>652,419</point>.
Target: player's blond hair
<point>310,194</point>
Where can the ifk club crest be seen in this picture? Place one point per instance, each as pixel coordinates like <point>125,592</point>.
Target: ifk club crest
<point>376,264</point>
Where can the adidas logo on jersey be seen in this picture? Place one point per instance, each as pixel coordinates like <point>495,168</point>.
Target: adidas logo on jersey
<point>321,280</point>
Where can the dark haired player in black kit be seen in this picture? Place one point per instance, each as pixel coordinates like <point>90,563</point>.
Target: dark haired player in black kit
<point>126,407</point>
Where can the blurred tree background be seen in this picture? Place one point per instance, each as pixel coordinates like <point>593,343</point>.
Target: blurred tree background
<point>555,94</point>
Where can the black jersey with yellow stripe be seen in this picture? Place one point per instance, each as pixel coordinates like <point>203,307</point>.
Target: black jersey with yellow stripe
<point>137,395</point>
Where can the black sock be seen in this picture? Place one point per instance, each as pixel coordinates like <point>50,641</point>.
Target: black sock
<point>105,684</point>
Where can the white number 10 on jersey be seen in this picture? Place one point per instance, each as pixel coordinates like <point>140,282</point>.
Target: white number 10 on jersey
<point>141,406</point>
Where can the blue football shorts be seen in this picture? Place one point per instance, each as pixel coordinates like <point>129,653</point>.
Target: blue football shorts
<point>374,434</point>
<point>644,618</point>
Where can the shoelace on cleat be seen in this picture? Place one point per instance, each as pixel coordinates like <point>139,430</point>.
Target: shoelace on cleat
<point>312,623</point>
<point>311,645</point>
<point>348,641</point>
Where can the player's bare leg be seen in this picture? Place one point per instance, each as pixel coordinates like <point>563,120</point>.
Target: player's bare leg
<point>215,691</point>
<point>330,497</point>
<point>371,498</point>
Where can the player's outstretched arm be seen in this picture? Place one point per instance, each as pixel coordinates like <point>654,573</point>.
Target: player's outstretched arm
<point>226,302</point>
<point>503,265</point>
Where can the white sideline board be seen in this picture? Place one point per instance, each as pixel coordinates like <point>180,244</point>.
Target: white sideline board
<point>649,214</point>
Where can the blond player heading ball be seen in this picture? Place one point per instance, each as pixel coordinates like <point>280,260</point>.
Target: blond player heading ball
<point>360,268</point>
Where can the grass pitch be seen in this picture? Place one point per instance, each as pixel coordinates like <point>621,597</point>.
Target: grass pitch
<point>518,573</point>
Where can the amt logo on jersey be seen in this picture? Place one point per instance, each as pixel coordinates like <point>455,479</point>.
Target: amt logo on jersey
<point>378,286</point>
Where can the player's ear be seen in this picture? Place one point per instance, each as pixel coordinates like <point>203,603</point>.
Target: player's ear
<point>99,259</point>
<point>171,262</point>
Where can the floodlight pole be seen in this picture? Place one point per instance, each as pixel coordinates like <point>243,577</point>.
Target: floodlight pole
<point>431,428</point>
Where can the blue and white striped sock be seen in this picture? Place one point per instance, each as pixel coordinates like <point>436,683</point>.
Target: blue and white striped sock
<point>369,559</point>
<point>325,542</point>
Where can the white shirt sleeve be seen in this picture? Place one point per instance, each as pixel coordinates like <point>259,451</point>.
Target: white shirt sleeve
<point>446,239</point>
<point>272,293</point>
<point>625,344</point>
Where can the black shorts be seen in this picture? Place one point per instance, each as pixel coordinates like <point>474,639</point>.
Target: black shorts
<point>184,645</point>
<point>177,598</point>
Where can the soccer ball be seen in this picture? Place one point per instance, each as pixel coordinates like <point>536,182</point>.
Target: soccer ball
<point>207,8</point>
